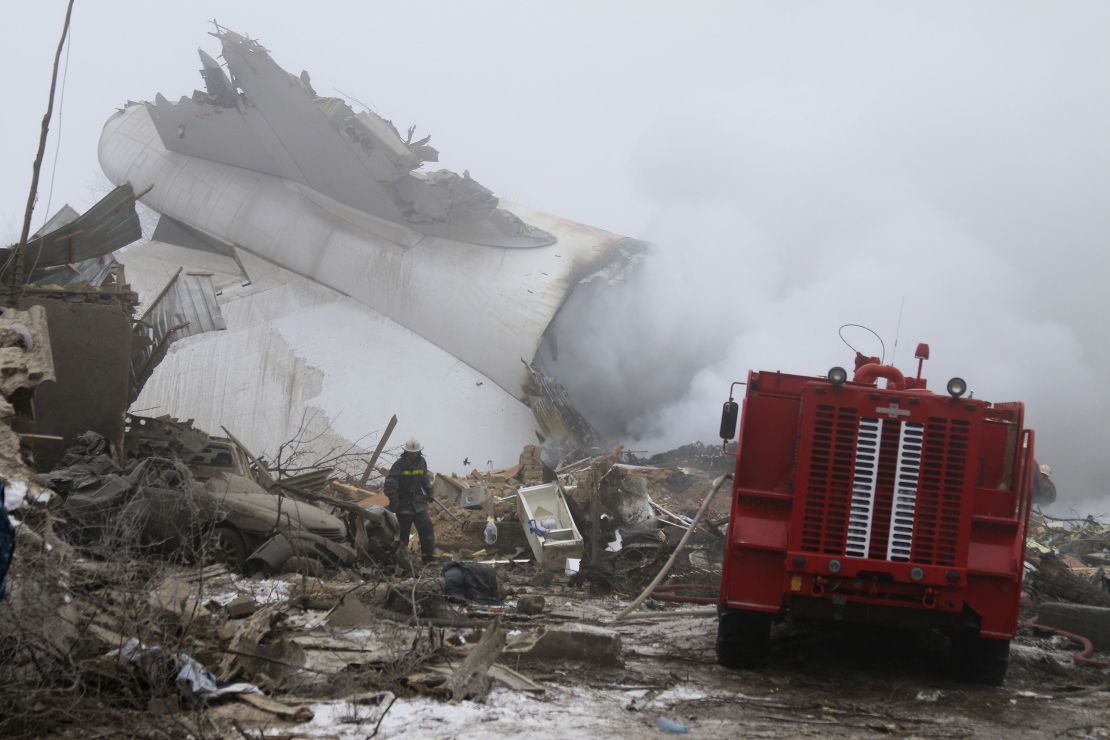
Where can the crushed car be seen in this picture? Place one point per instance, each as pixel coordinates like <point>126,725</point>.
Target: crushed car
<point>208,509</point>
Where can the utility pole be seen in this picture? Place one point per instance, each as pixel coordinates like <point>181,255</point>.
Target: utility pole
<point>16,263</point>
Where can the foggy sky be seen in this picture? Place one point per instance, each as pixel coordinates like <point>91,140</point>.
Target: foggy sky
<point>797,165</point>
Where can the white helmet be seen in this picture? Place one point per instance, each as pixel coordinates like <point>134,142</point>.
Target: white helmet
<point>1045,469</point>
<point>413,445</point>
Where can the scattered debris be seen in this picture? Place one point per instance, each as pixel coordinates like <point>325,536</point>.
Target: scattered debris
<point>585,643</point>
<point>551,531</point>
<point>530,604</point>
<point>471,680</point>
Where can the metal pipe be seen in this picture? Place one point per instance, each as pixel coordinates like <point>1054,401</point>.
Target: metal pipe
<point>871,372</point>
<point>678,548</point>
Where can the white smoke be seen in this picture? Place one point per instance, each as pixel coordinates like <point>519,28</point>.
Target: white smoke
<point>795,213</point>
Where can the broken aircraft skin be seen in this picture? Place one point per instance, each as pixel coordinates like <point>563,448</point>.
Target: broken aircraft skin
<point>260,166</point>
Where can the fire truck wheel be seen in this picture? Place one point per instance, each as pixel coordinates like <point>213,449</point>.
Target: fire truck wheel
<point>743,638</point>
<point>979,660</point>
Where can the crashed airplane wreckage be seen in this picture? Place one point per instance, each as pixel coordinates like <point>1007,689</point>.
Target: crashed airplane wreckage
<point>354,286</point>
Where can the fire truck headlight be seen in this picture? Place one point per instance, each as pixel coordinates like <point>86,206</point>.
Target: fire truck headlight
<point>957,387</point>
<point>838,376</point>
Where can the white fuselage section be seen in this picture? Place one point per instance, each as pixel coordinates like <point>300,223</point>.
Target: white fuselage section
<point>486,306</point>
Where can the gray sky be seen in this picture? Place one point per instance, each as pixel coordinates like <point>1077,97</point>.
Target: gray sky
<point>798,165</point>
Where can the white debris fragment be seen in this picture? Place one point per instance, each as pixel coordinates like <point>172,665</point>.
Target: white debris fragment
<point>315,623</point>
<point>928,695</point>
<point>15,494</point>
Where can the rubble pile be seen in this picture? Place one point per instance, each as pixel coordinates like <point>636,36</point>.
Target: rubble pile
<point>643,512</point>
<point>176,576</point>
<point>1068,560</point>
<point>129,602</point>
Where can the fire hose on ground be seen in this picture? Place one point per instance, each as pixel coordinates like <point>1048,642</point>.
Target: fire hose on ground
<point>1082,657</point>
<point>706,593</point>
<point>674,555</point>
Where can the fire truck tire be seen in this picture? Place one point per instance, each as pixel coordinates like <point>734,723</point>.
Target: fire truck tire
<point>976,659</point>
<point>743,638</point>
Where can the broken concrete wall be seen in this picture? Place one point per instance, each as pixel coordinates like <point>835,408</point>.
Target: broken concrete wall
<point>90,334</point>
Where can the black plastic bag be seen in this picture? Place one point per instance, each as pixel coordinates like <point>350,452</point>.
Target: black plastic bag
<point>471,582</point>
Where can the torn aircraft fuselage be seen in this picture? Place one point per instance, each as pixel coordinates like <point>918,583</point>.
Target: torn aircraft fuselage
<point>260,163</point>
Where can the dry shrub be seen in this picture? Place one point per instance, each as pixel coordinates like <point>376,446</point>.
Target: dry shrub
<point>67,613</point>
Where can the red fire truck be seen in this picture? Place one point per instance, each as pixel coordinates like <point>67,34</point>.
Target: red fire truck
<point>889,505</point>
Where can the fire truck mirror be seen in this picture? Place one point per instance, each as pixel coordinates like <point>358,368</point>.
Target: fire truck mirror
<point>729,415</point>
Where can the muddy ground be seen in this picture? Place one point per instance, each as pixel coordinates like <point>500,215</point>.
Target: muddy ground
<point>820,681</point>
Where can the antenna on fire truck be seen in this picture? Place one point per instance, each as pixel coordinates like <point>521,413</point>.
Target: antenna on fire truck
<point>898,330</point>
<point>882,344</point>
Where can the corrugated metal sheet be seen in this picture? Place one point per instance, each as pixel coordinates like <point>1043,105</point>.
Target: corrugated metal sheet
<point>186,306</point>
<point>93,271</point>
<point>109,225</point>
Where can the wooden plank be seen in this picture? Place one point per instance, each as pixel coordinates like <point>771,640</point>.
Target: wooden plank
<point>378,450</point>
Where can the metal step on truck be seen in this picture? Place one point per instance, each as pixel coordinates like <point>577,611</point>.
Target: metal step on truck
<point>877,505</point>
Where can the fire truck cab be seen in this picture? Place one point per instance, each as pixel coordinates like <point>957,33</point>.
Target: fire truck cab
<point>890,505</point>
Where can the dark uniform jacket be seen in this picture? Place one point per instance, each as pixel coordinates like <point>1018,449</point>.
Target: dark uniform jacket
<point>408,485</point>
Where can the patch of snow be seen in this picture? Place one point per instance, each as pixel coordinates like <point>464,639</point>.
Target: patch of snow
<point>264,591</point>
<point>1033,695</point>
<point>15,493</point>
<point>505,714</point>
<point>18,493</point>
<point>682,692</point>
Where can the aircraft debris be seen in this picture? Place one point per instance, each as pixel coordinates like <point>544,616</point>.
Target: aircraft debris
<point>431,262</point>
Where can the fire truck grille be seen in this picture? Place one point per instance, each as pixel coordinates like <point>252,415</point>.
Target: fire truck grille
<point>864,484</point>
<point>940,492</point>
<point>828,489</point>
<point>904,500</point>
<point>884,489</point>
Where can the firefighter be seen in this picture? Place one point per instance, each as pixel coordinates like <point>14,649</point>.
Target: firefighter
<point>409,489</point>
<point>1044,490</point>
